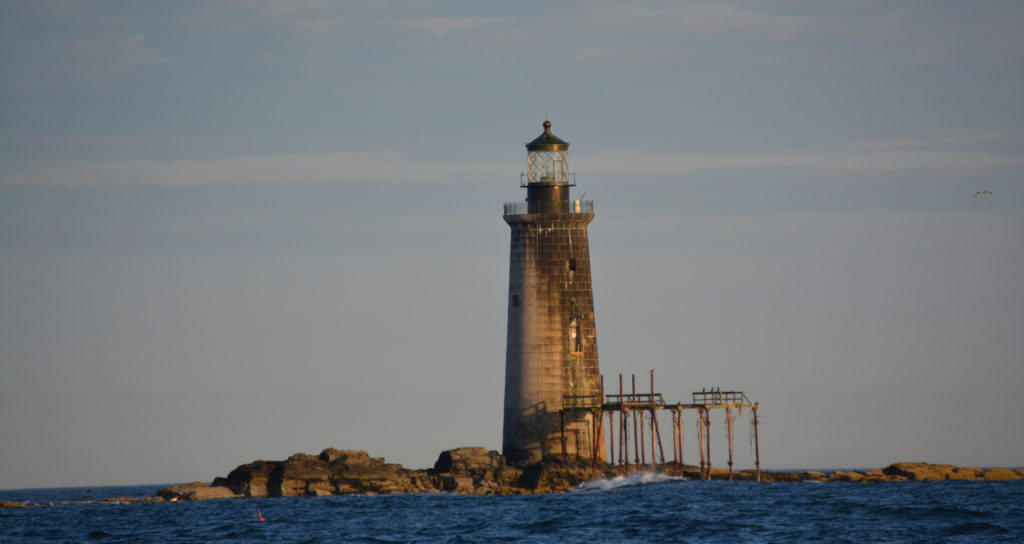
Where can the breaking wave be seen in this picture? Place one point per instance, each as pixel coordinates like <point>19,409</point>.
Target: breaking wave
<point>626,481</point>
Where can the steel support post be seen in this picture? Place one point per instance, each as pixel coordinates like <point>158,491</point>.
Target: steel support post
<point>729,418</point>
<point>654,423</point>
<point>707,438</point>
<point>700,438</point>
<point>598,445</point>
<point>636,431</point>
<point>675,439</point>
<point>611,438</point>
<point>623,431</point>
<point>657,433</point>
<point>681,456</point>
<point>757,449</point>
<point>624,451</point>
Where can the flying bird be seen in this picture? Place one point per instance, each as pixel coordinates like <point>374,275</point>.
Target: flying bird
<point>983,192</point>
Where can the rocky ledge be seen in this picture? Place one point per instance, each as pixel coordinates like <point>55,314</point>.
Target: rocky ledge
<point>474,471</point>
<point>899,472</point>
<point>477,471</point>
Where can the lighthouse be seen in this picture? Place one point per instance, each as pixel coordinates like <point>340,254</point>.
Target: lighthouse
<point>551,348</point>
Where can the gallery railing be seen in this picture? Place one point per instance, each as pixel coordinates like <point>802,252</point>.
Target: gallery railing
<point>575,206</point>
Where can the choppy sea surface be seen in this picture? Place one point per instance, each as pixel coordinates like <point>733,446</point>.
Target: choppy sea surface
<point>635,509</point>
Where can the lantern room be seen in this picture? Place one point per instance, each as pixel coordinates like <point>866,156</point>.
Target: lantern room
<point>547,158</point>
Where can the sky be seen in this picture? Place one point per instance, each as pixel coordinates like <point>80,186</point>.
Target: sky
<point>238,230</point>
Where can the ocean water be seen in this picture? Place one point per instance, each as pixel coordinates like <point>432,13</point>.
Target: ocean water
<point>635,509</point>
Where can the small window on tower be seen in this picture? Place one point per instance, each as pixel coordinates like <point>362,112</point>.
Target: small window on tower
<point>572,265</point>
<point>575,336</point>
<point>515,301</point>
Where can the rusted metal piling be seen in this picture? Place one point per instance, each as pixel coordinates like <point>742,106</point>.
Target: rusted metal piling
<point>643,405</point>
<point>700,438</point>
<point>730,419</point>
<point>707,438</point>
<point>677,436</point>
<point>757,450</point>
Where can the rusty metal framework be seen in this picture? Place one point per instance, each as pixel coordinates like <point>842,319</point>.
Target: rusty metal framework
<point>642,409</point>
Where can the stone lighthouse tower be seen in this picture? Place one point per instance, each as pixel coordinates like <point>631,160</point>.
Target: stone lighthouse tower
<point>551,353</point>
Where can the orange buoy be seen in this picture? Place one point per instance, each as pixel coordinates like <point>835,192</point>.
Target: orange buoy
<point>260,512</point>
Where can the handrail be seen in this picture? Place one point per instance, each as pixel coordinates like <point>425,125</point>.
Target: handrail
<point>575,206</point>
<point>720,397</point>
<point>580,401</point>
<point>639,398</point>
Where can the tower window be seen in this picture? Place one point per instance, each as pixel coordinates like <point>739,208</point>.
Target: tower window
<point>515,301</point>
<point>575,336</point>
<point>572,265</point>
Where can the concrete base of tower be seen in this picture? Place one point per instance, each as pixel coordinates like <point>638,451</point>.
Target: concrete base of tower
<point>532,437</point>
<point>541,434</point>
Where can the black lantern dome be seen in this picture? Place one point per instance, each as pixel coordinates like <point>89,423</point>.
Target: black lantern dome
<point>547,141</point>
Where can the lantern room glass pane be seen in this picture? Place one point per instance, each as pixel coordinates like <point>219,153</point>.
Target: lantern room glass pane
<point>548,166</point>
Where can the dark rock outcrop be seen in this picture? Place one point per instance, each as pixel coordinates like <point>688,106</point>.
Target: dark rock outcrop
<point>194,491</point>
<point>126,499</point>
<point>302,474</point>
<point>473,471</point>
<point>354,471</point>
<point>333,472</point>
<point>926,471</point>
<point>931,472</point>
<point>250,480</point>
<point>557,474</point>
<point>340,472</point>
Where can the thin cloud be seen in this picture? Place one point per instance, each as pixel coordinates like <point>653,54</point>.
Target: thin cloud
<point>121,49</point>
<point>868,230</point>
<point>319,26</point>
<point>626,162</point>
<point>277,7</point>
<point>894,18</point>
<point>927,153</point>
<point>293,168</point>
<point>706,19</point>
<point>442,26</point>
<point>933,142</point>
<point>625,54</point>
<point>70,61</point>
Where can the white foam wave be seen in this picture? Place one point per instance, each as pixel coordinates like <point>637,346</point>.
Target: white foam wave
<point>625,481</point>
